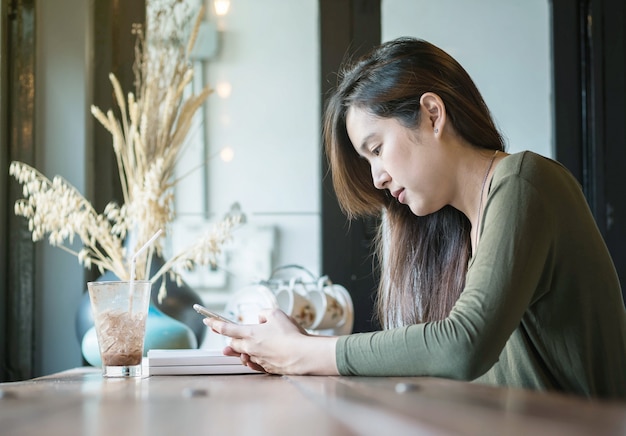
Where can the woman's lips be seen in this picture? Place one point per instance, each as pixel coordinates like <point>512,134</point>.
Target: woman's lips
<point>399,195</point>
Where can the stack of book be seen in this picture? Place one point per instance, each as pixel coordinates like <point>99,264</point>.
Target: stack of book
<point>200,361</point>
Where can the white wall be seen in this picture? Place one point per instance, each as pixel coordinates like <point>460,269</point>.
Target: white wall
<point>268,55</point>
<point>504,45</point>
<point>62,122</point>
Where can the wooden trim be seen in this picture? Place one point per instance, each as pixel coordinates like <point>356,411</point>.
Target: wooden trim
<point>17,361</point>
<point>4,184</point>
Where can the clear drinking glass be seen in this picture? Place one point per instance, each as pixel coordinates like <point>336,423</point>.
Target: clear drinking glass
<point>120,311</point>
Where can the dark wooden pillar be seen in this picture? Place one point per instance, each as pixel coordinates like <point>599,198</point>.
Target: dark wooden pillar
<point>589,49</point>
<point>114,52</point>
<point>17,285</point>
<point>4,183</point>
<point>347,28</point>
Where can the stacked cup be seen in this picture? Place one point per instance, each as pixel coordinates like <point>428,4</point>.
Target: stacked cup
<point>330,313</point>
<point>316,304</point>
<point>292,299</point>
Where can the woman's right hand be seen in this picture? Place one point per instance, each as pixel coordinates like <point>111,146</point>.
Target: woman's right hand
<point>278,345</point>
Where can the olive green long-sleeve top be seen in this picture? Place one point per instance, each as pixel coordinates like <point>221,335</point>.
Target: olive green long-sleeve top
<point>542,306</point>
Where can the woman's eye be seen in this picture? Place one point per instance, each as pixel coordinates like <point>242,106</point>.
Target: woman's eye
<point>376,150</point>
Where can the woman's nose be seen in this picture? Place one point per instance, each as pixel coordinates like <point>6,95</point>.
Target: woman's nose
<point>380,176</point>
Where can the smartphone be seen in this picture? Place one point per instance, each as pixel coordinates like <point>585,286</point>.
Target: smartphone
<point>209,314</point>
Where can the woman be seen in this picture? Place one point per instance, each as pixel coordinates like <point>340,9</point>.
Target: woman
<point>494,269</point>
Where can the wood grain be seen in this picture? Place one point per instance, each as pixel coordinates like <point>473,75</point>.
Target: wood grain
<point>81,402</point>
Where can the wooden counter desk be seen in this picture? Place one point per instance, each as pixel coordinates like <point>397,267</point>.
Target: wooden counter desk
<point>81,402</point>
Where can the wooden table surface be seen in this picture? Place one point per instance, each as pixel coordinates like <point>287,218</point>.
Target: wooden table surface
<point>81,402</point>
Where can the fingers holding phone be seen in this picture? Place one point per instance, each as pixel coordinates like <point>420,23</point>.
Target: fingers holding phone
<point>210,314</point>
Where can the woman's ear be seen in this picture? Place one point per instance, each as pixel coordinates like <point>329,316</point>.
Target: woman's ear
<point>433,105</point>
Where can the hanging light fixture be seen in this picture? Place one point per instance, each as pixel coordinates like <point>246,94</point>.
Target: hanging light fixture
<point>221,7</point>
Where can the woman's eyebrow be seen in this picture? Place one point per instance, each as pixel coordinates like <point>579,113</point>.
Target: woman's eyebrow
<point>363,146</point>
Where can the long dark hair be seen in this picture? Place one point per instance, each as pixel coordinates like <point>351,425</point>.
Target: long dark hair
<point>424,259</point>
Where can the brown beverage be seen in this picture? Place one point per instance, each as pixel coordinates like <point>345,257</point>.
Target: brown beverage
<point>120,311</point>
<point>122,338</point>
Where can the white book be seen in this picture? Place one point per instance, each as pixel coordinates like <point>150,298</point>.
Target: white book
<point>194,361</point>
<point>200,370</point>
<point>187,357</point>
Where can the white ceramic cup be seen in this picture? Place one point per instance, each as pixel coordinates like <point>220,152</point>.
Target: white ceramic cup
<point>329,311</point>
<point>292,300</point>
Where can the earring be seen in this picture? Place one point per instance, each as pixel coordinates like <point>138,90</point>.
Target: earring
<point>436,130</point>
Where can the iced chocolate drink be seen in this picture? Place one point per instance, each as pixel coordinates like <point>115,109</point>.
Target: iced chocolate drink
<point>120,310</point>
<point>121,338</point>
